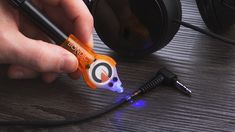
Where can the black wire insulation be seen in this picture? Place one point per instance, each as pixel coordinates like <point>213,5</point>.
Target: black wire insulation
<point>54,123</point>
<point>208,33</point>
<point>153,83</point>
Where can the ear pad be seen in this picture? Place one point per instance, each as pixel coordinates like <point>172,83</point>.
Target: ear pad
<point>136,27</point>
<point>217,16</point>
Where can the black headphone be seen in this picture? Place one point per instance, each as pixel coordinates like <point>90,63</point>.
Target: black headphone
<point>140,27</point>
<point>218,15</point>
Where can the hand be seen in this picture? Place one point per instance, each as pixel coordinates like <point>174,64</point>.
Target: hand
<point>29,52</point>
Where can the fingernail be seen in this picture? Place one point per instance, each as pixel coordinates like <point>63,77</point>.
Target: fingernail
<point>69,64</point>
<point>16,75</point>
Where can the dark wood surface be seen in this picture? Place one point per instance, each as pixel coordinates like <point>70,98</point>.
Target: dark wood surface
<point>205,65</point>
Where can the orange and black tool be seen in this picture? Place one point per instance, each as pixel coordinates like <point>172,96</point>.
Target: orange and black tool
<point>99,71</point>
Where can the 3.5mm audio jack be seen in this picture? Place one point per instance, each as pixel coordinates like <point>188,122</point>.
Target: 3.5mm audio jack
<point>163,76</point>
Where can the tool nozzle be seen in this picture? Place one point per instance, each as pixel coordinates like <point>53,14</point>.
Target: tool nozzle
<point>117,88</point>
<point>120,89</point>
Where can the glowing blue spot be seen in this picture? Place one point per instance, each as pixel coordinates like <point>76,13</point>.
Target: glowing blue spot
<point>139,104</point>
<point>131,101</point>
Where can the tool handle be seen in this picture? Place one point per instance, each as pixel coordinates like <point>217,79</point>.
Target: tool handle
<point>41,20</point>
<point>98,71</point>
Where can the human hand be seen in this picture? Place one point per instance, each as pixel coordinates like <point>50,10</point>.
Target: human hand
<point>29,52</point>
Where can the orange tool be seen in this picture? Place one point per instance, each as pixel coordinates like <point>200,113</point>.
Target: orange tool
<point>99,71</point>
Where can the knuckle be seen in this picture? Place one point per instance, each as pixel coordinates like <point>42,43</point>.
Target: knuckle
<point>4,36</point>
<point>39,60</point>
<point>90,19</point>
<point>46,61</point>
<point>8,48</point>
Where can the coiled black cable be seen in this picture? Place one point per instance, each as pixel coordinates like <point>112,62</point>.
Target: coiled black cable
<point>157,80</point>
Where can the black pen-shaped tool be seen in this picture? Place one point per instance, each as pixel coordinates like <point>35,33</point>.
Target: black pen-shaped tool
<point>99,71</point>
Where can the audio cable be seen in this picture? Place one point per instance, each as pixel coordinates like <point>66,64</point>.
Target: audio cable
<point>90,63</point>
<point>163,76</point>
<point>208,33</point>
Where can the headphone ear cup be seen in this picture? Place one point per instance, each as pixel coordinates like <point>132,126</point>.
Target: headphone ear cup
<point>174,12</point>
<point>136,27</point>
<point>217,16</point>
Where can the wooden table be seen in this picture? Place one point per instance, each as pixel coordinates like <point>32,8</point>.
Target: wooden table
<point>205,65</point>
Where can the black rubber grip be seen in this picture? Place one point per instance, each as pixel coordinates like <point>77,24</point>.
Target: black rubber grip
<point>16,3</point>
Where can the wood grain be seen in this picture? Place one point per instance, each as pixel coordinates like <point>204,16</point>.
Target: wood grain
<point>205,65</point>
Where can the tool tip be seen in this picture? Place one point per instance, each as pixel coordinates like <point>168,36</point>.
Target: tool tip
<point>119,89</point>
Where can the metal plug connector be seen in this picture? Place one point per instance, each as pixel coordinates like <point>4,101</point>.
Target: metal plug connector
<point>171,79</point>
<point>163,76</point>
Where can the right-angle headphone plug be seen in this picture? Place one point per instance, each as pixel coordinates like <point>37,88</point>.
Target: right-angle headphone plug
<point>163,76</point>
<point>171,79</point>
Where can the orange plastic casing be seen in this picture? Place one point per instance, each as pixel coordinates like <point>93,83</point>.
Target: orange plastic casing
<point>86,56</point>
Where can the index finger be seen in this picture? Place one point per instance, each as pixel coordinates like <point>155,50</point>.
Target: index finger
<point>79,15</point>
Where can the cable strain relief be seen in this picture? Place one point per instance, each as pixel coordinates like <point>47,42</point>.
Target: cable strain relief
<point>156,81</point>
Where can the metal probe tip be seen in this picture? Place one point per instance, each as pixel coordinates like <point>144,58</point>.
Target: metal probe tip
<point>183,88</point>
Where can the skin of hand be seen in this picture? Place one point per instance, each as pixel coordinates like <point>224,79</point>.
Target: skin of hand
<point>29,52</point>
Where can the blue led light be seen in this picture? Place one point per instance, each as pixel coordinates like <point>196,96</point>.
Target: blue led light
<point>132,101</point>
<point>139,104</point>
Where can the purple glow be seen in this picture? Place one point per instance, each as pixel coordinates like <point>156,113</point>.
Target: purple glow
<point>132,101</point>
<point>139,104</point>
<point>118,115</point>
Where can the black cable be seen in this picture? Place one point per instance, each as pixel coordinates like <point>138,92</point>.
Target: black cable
<point>54,123</point>
<point>208,33</point>
<point>163,76</point>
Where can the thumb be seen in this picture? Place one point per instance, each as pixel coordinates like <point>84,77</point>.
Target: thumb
<point>42,56</point>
